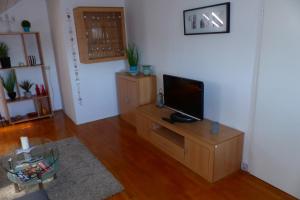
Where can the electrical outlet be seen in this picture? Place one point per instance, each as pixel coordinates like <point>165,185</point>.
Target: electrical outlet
<point>244,166</point>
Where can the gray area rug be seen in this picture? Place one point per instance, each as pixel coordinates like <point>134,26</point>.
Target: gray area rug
<point>81,176</point>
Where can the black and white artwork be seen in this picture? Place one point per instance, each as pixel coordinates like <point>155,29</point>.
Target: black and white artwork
<point>207,20</point>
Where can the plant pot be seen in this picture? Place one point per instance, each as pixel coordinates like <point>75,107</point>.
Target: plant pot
<point>27,94</point>
<point>5,62</point>
<point>147,70</point>
<point>133,70</point>
<point>12,95</point>
<point>26,29</point>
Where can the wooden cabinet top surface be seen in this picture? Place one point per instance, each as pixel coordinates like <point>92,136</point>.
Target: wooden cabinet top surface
<point>133,78</point>
<point>198,131</point>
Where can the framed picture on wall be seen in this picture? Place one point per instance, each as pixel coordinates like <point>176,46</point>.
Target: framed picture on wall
<point>207,20</point>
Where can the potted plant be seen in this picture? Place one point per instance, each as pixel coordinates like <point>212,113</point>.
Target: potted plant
<point>9,85</point>
<point>26,85</point>
<point>4,59</point>
<point>26,25</point>
<point>133,59</point>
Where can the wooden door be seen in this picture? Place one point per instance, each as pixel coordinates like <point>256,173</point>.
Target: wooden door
<point>276,133</point>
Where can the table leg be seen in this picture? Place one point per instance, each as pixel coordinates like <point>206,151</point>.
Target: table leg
<point>41,186</point>
<point>17,189</point>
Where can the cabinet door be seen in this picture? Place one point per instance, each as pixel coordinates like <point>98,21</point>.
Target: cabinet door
<point>199,159</point>
<point>228,157</point>
<point>122,95</point>
<point>127,95</point>
<point>147,90</point>
<point>131,101</point>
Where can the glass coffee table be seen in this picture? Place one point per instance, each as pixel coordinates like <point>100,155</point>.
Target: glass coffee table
<point>37,165</point>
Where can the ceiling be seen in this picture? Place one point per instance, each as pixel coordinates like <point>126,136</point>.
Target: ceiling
<point>7,4</point>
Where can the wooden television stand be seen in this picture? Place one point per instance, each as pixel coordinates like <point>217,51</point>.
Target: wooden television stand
<point>212,156</point>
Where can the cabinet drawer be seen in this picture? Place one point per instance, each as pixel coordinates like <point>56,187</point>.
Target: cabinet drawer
<point>167,146</point>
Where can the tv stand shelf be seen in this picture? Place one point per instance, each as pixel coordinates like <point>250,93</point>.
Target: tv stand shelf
<point>212,156</point>
<point>170,135</point>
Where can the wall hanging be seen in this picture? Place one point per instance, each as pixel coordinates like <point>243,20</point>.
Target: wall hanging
<point>100,34</point>
<point>207,20</point>
<point>74,56</point>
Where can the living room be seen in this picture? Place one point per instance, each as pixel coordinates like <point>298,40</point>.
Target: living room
<point>246,66</point>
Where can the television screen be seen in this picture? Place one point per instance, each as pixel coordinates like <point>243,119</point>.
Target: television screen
<point>184,96</point>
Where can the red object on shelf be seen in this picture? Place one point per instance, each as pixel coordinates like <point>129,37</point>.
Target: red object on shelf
<point>44,92</point>
<point>37,90</point>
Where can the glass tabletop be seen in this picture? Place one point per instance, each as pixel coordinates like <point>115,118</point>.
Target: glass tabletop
<point>33,166</point>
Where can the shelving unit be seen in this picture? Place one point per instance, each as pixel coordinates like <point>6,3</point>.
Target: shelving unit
<point>29,44</point>
<point>19,99</point>
<point>170,135</point>
<point>19,67</point>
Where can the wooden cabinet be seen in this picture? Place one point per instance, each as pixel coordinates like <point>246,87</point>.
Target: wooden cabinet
<point>134,91</point>
<point>212,156</point>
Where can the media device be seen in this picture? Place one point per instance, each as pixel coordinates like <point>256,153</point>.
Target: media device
<point>185,97</point>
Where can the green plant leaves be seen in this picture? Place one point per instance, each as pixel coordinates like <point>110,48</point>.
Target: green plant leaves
<point>10,83</point>
<point>26,85</point>
<point>132,55</point>
<point>3,50</point>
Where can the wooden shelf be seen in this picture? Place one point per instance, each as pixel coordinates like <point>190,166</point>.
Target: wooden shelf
<point>17,33</point>
<point>20,99</point>
<point>26,119</point>
<point>170,135</point>
<point>20,67</point>
<point>42,104</point>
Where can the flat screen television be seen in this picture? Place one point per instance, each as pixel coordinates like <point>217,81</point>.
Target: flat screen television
<point>184,96</point>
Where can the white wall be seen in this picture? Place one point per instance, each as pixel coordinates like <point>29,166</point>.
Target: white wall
<point>225,62</point>
<point>36,12</point>
<point>56,18</point>
<point>275,144</point>
<point>97,81</point>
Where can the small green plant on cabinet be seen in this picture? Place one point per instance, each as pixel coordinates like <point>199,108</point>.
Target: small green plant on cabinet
<point>132,55</point>
<point>133,59</point>
<point>9,84</point>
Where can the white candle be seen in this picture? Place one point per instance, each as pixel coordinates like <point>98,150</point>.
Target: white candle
<point>24,143</point>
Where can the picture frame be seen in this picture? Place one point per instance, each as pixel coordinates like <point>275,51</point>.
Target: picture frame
<point>211,19</point>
